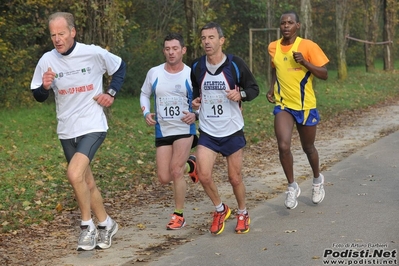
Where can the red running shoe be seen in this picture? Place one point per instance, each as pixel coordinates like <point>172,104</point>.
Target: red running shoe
<point>243,222</point>
<point>218,220</point>
<point>176,222</point>
<point>193,172</point>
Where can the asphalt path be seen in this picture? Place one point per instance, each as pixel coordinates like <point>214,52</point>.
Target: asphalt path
<point>356,224</point>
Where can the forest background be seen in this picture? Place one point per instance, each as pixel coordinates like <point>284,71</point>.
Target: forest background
<point>135,30</point>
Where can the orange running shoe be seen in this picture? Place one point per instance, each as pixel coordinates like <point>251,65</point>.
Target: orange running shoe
<point>218,220</point>
<point>193,174</point>
<point>243,222</point>
<point>176,222</point>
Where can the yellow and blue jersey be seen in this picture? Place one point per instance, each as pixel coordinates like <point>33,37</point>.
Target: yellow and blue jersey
<point>294,85</point>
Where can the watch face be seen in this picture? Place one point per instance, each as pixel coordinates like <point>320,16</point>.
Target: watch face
<point>111,92</point>
<point>243,94</point>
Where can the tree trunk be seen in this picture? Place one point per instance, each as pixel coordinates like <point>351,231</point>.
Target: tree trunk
<point>306,19</point>
<point>390,9</point>
<point>341,21</point>
<point>191,29</point>
<point>371,28</point>
<point>270,22</point>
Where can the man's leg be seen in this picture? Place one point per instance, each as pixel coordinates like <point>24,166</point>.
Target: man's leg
<point>283,126</point>
<point>205,162</point>
<point>181,151</point>
<point>171,166</point>
<point>82,181</point>
<point>234,166</point>
<point>307,135</point>
<point>78,170</point>
<point>96,200</point>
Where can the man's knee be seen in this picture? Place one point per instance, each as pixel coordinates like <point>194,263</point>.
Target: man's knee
<point>309,149</point>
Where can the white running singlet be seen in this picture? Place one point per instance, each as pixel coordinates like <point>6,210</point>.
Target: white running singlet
<point>172,95</point>
<point>219,116</point>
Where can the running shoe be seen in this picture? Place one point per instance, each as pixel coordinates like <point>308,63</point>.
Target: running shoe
<point>218,220</point>
<point>318,192</point>
<point>87,239</point>
<point>176,222</point>
<point>243,222</point>
<point>291,198</point>
<point>193,172</point>
<point>105,235</point>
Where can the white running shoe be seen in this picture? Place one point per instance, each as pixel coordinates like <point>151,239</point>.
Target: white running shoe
<point>291,199</point>
<point>105,235</point>
<point>87,239</point>
<point>318,192</point>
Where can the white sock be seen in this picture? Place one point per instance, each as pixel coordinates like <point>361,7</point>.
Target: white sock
<point>107,222</point>
<point>90,223</point>
<point>244,211</point>
<point>317,180</point>
<point>294,185</point>
<point>220,207</point>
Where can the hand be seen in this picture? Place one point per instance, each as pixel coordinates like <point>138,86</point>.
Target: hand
<point>48,78</point>
<point>104,99</point>
<point>149,119</point>
<point>234,95</point>
<point>196,103</point>
<point>188,117</point>
<point>298,57</point>
<point>270,96</point>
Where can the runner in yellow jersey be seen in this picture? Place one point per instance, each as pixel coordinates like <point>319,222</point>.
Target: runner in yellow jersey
<point>295,61</point>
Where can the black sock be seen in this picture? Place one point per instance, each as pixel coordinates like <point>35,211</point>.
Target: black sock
<point>190,163</point>
<point>178,214</point>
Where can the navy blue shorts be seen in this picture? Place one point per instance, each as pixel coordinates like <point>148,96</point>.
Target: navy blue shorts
<point>224,145</point>
<point>87,144</point>
<point>309,117</point>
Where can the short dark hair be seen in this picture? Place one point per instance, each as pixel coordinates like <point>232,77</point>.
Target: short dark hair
<point>213,25</point>
<point>174,36</point>
<point>293,13</point>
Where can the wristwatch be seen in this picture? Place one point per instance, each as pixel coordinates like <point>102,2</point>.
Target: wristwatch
<point>243,94</point>
<point>111,92</point>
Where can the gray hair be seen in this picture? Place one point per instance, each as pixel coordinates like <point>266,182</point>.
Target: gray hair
<point>67,16</point>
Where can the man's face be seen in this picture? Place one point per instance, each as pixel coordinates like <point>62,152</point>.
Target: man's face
<point>173,52</point>
<point>211,42</point>
<point>288,26</point>
<point>61,35</point>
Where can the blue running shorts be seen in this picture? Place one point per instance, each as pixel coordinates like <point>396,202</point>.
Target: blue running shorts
<point>224,145</point>
<point>309,117</point>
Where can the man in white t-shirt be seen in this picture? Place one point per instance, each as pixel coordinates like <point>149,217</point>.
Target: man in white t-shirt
<point>74,71</point>
<point>174,121</point>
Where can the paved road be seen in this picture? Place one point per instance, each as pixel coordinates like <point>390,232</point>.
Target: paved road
<point>358,219</point>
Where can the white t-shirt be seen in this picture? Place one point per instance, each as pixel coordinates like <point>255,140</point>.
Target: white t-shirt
<point>173,94</point>
<point>79,77</point>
